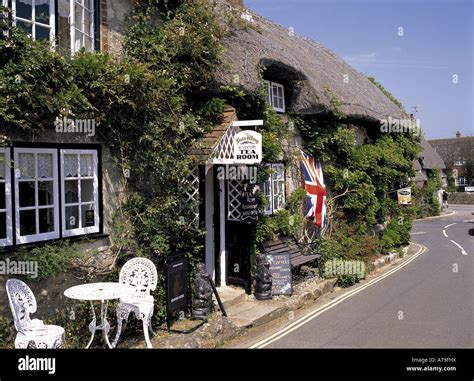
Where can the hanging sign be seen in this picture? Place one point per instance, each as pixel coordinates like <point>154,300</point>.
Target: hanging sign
<point>248,147</point>
<point>404,196</point>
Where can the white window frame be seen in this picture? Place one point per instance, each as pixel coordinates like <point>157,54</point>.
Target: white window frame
<point>269,185</point>
<point>461,181</point>
<point>52,18</point>
<point>269,86</point>
<point>38,236</point>
<point>8,241</point>
<point>88,229</point>
<point>81,29</point>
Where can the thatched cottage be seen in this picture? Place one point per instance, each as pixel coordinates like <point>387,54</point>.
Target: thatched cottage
<point>77,183</point>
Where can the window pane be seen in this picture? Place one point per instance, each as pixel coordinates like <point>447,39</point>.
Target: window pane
<point>87,190</point>
<point>64,28</point>
<point>2,165</point>
<point>42,11</point>
<point>27,222</point>
<point>72,217</point>
<point>87,22</point>
<point>24,9</point>
<point>87,165</point>
<point>78,17</point>
<point>41,33</point>
<point>2,196</point>
<point>26,193</point>
<point>87,4</point>
<point>88,215</point>
<point>26,164</point>
<point>71,191</point>
<point>45,193</point>
<point>46,220</point>
<point>70,166</point>
<point>26,26</point>
<point>78,41</point>
<point>3,225</point>
<point>89,45</point>
<point>45,165</point>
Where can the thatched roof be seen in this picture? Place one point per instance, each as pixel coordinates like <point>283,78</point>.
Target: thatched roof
<point>451,150</point>
<point>429,158</point>
<point>316,73</point>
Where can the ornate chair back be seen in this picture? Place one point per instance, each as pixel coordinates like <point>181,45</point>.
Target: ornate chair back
<point>22,303</point>
<point>140,273</point>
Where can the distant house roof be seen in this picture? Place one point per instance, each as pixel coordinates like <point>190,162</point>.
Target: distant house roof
<point>320,78</point>
<point>454,149</point>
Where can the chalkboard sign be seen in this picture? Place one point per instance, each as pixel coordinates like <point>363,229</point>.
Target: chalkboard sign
<point>280,268</point>
<point>177,289</point>
<point>249,203</point>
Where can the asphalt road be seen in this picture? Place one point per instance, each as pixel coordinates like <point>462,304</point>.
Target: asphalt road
<point>426,304</point>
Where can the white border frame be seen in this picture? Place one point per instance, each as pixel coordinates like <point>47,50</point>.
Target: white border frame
<point>80,230</point>
<point>8,241</point>
<point>39,236</point>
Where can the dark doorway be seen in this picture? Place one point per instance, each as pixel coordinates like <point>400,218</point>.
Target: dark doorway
<point>239,247</point>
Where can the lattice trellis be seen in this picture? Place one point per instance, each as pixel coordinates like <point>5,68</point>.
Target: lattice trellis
<point>233,199</point>
<point>192,194</point>
<point>224,152</point>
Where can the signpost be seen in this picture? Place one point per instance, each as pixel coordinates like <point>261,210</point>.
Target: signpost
<point>176,287</point>
<point>280,268</point>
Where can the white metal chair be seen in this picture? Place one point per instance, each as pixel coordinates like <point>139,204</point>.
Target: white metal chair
<point>141,274</point>
<point>31,333</point>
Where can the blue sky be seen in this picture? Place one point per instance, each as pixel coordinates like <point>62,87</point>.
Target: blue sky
<point>417,68</point>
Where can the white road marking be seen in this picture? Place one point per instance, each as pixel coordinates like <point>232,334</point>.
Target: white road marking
<point>463,252</point>
<point>418,233</point>
<point>311,315</point>
<point>447,226</point>
<point>444,233</point>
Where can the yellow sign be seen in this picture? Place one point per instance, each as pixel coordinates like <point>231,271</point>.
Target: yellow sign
<point>404,196</point>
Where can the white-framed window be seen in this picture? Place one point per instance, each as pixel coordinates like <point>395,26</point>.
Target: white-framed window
<point>36,194</point>
<point>36,17</point>
<point>274,188</point>
<point>6,226</point>
<point>275,95</point>
<point>76,25</point>
<point>75,22</point>
<point>80,192</point>
<point>461,181</point>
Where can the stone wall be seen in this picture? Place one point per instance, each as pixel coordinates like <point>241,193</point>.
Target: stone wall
<point>113,24</point>
<point>464,198</point>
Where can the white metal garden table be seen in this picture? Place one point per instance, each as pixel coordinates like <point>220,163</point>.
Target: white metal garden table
<point>102,292</point>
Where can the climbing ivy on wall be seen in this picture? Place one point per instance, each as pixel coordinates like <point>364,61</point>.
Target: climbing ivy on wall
<point>142,111</point>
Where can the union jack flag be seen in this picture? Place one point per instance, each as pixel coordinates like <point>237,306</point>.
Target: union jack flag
<point>315,189</point>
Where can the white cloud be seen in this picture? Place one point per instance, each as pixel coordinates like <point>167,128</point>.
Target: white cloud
<point>362,58</point>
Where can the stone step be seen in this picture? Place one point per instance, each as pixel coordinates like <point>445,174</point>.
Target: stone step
<point>252,313</point>
<point>231,296</point>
